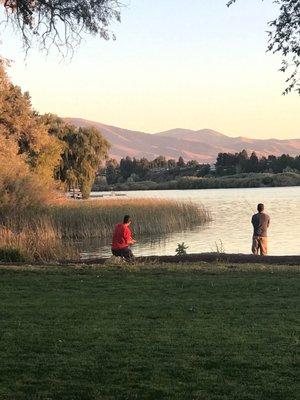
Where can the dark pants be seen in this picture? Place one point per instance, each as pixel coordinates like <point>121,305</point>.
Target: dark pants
<point>125,253</point>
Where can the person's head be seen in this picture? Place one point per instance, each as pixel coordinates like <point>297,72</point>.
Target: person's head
<point>127,220</point>
<point>260,207</point>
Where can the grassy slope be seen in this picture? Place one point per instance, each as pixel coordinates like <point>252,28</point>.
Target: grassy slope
<point>102,333</point>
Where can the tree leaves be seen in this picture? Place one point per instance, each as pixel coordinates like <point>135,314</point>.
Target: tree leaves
<point>61,23</point>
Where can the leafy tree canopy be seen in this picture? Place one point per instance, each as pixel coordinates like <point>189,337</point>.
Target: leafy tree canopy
<point>61,22</point>
<point>84,149</point>
<point>21,124</point>
<point>284,38</point>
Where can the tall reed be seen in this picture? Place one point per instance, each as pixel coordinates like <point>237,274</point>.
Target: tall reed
<point>96,218</point>
<point>38,233</point>
<point>33,239</point>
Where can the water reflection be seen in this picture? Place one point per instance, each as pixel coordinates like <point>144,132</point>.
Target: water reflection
<point>147,245</point>
<point>231,210</point>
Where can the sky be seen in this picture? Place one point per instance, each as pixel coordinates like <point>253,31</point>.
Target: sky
<point>191,64</point>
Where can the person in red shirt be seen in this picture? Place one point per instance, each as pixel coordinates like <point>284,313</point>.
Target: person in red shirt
<point>122,239</point>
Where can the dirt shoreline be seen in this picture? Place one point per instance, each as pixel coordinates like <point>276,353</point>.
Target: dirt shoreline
<point>210,257</point>
<point>189,258</point>
<point>205,257</point>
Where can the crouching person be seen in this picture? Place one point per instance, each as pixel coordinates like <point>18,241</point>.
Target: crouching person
<point>122,240</point>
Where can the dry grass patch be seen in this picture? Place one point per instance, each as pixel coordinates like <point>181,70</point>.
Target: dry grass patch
<point>32,240</point>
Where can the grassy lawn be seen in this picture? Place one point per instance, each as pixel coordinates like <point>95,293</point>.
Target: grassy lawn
<point>174,332</point>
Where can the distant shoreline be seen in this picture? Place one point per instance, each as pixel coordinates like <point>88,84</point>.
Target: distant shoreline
<point>242,181</point>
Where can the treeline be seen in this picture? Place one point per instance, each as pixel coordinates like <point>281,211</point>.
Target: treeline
<point>230,164</point>
<point>158,170</point>
<point>130,170</point>
<point>40,155</point>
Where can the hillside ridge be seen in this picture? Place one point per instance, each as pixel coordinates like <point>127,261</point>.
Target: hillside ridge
<point>202,145</point>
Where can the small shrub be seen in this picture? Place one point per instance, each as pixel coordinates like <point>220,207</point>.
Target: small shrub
<point>12,254</point>
<point>220,249</point>
<point>268,180</point>
<point>181,249</point>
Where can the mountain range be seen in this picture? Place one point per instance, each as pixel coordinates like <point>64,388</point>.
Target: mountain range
<point>202,145</point>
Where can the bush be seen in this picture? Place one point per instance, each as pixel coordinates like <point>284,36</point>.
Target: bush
<point>12,254</point>
<point>181,249</point>
<point>268,180</point>
<point>19,187</point>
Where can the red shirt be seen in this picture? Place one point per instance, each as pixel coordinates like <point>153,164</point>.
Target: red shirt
<point>121,237</point>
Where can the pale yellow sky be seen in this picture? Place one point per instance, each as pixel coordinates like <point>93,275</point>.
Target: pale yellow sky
<point>203,67</point>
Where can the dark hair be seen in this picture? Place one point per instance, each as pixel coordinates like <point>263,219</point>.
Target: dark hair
<point>260,207</point>
<point>126,219</point>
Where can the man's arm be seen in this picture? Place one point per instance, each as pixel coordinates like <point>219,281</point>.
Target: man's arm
<point>128,236</point>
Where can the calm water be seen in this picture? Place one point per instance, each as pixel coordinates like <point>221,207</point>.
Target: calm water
<point>231,211</point>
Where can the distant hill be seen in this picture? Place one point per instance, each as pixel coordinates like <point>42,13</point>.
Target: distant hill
<point>203,145</point>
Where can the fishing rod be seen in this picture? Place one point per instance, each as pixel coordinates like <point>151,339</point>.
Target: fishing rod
<point>249,205</point>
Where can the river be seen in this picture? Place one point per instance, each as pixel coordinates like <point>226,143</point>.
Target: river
<point>230,229</point>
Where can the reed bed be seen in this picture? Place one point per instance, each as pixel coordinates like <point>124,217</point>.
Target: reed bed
<point>24,239</point>
<point>96,218</point>
<point>39,233</point>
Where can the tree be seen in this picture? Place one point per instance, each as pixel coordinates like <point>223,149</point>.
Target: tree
<point>297,163</point>
<point>253,163</point>
<point>226,163</point>
<point>272,164</point>
<point>242,161</point>
<point>28,155</point>
<point>285,161</point>
<point>203,170</point>
<point>20,187</point>
<point>171,163</point>
<point>84,151</point>
<point>159,162</point>
<point>192,164</point>
<point>21,124</point>
<point>112,171</point>
<point>180,162</point>
<point>126,167</point>
<point>142,167</point>
<point>61,22</point>
<point>284,38</point>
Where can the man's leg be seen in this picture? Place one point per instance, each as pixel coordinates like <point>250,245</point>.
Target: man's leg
<point>117,253</point>
<point>123,253</point>
<point>127,254</point>
<point>255,245</point>
<point>263,245</point>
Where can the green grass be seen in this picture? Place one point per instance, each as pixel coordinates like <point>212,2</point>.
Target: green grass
<point>173,332</point>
